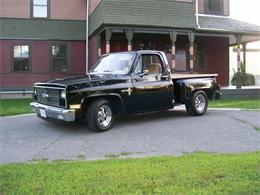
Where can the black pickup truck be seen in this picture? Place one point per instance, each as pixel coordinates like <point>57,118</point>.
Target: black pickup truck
<point>122,84</point>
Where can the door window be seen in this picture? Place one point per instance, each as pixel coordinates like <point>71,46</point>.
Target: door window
<point>150,65</point>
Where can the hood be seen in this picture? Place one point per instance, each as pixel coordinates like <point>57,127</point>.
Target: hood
<point>85,81</point>
<point>66,81</point>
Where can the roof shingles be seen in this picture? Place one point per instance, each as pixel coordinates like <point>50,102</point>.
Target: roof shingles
<point>227,24</point>
<point>171,14</point>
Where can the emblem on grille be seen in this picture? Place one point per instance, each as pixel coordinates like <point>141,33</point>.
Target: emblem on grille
<point>45,95</point>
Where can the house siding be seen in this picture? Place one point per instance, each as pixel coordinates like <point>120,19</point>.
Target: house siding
<point>92,5</point>
<point>92,51</point>
<point>15,8</point>
<point>68,9</point>
<point>59,9</point>
<point>12,28</point>
<point>40,63</point>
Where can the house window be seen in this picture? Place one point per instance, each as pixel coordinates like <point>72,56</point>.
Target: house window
<point>214,7</point>
<point>21,58</point>
<point>200,55</point>
<point>59,58</point>
<point>40,8</point>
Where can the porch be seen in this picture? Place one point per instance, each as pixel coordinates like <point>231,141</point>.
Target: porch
<point>186,51</point>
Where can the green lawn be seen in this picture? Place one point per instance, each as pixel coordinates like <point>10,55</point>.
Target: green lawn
<point>15,106</point>
<point>236,103</point>
<point>188,174</point>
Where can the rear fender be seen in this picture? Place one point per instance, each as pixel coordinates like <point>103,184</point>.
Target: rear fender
<point>184,88</point>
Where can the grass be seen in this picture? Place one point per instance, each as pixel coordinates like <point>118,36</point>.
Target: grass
<point>15,106</point>
<point>198,173</point>
<point>236,103</point>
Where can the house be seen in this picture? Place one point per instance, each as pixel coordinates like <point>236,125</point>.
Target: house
<point>46,39</point>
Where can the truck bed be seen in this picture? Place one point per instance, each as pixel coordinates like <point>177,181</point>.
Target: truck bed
<point>190,76</point>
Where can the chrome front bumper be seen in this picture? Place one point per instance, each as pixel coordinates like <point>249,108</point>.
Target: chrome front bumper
<point>46,112</point>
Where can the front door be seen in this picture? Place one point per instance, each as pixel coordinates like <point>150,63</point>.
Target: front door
<point>152,86</point>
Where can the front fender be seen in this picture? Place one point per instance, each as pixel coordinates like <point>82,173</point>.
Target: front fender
<point>114,98</point>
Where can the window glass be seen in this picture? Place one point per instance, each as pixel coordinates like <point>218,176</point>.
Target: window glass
<point>21,58</point>
<point>118,63</point>
<point>152,64</point>
<point>40,12</point>
<point>40,8</point>
<point>215,6</point>
<point>40,2</point>
<point>59,58</point>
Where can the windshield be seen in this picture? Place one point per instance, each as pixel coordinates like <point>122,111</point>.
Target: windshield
<point>118,63</point>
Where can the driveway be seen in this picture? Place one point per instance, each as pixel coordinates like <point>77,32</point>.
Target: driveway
<point>28,138</point>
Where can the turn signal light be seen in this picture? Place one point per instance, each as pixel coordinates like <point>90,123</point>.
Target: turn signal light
<point>75,106</point>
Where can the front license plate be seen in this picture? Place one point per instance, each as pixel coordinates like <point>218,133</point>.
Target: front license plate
<point>43,113</point>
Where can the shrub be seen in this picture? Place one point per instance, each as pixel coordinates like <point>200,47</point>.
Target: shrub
<point>246,78</point>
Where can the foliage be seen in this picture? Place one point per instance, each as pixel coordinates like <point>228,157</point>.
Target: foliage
<point>246,78</point>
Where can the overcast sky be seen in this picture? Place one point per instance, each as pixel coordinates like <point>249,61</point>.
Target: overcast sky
<point>246,10</point>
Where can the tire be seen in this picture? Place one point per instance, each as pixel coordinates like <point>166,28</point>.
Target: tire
<point>100,116</point>
<point>198,104</point>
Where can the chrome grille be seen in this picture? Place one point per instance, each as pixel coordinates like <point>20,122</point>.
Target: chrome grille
<point>49,96</point>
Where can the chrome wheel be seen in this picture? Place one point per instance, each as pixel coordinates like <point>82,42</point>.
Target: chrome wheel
<point>200,102</point>
<point>104,116</point>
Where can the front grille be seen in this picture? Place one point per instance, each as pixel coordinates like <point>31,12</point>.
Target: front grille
<point>49,96</point>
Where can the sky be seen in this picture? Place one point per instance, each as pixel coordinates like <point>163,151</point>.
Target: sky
<point>248,11</point>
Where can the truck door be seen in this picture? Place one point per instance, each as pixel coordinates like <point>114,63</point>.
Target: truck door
<point>152,86</point>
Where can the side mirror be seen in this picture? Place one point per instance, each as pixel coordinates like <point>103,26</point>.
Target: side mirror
<point>145,72</point>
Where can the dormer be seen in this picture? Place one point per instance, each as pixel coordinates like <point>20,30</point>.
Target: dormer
<point>214,7</point>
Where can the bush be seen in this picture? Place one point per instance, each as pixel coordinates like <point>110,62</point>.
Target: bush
<point>246,78</point>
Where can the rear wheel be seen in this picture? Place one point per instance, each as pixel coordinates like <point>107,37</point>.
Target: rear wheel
<point>198,104</point>
<point>100,115</point>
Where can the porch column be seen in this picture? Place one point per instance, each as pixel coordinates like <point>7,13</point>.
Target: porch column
<point>129,36</point>
<point>173,36</point>
<point>99,53</point>
<point>244,54</point>
<point>191,50</point>
<point>108,38</point>
<point>238,41</point>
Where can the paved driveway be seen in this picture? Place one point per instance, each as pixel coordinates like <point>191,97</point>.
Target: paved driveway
<point>26,138</point>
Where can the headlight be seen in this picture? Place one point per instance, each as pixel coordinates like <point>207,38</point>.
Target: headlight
<point>34,91</point>
<point>63,94</point>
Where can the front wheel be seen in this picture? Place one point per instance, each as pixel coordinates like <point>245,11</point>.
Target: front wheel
<point>198,104</point>
<point>100,115</point>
